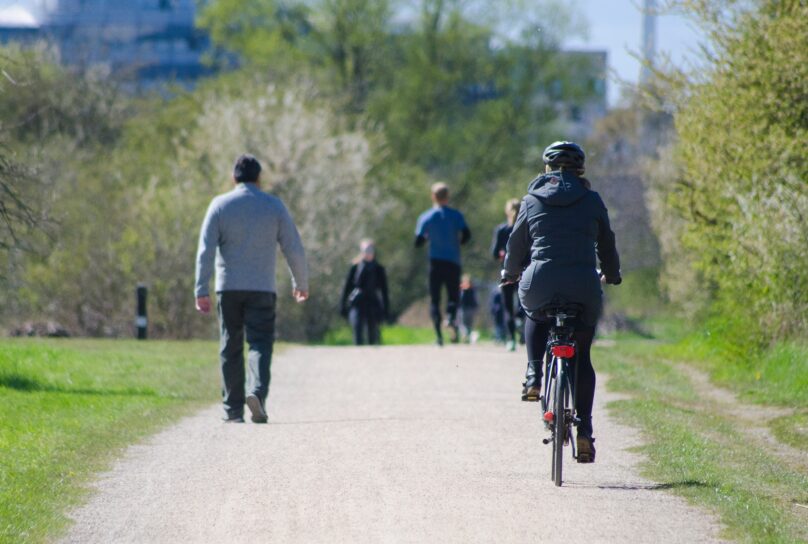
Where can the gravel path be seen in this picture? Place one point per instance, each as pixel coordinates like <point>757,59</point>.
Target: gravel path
<point>394,444</point>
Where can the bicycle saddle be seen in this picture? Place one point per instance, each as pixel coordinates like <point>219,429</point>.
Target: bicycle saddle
<point>571,309</point>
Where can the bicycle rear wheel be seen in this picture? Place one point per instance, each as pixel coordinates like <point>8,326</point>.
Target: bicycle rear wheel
<point>548,405</point>
<point>560,424</point>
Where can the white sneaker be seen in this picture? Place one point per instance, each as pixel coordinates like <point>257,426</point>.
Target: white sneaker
<point>510,345</point>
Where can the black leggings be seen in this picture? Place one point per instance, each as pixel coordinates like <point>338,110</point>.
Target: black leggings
<point>443,273</point>
<point>536,334</point>
<point>508,292</point>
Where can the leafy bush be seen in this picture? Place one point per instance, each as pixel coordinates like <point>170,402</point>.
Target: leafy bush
<point>742,186</point>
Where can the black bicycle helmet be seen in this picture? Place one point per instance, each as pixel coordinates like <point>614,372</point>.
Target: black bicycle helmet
<point>566,154</point>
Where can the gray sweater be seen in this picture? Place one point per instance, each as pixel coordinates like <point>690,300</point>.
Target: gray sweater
<point>242,229</point>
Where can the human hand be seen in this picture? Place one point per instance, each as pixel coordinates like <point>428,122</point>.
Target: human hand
<point>300,296</point>
<point>203,304</point>
<point>506,279</point>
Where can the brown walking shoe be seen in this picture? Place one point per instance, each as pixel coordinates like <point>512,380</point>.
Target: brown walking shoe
<point>586,449</point>
<point>531,394</point>
<point>259,415</point>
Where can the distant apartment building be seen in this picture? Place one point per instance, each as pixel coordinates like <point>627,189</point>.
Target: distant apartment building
<point>146,41</point>
<point>581,99</point>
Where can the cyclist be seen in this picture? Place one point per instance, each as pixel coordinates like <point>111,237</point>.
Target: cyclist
<point>365,301</point>
<point>498,247</point>
<point>445,228</point>
<point>562,226</point>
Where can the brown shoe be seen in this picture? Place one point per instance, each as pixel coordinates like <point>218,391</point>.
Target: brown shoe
<point>259,415</point>
<point>531,394</point>
<point>586,449</point>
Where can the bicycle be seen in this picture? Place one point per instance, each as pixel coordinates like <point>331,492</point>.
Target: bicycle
<point>558,401</point>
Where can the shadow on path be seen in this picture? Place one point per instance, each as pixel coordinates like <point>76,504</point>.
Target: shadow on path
<point>641,486</point>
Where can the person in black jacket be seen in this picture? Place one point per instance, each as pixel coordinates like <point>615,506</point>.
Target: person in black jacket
<point>564,227</point>
<point>498,249</point>
<point>365,300</point>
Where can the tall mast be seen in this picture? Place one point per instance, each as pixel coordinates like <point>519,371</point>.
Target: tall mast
<point>649,39</point>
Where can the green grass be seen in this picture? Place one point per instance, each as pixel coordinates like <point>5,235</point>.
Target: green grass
<point>68,407</point>
<point>394,335</point>
<point>701,454</point>
<point>792,430</point>
<point>776,375</point>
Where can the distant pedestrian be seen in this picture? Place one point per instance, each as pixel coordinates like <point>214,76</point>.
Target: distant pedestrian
<point>445,229</point>
<point>468,307</point>
<point>365,301</point>
<point>497,315</point>
<point>498,249</point>
<point>240,233</point>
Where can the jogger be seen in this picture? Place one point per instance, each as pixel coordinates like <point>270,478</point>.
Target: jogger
<point>445,228</point>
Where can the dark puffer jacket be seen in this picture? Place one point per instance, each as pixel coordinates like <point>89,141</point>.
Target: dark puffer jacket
<point>563,227</point>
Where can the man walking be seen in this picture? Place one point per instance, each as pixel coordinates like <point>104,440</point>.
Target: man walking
<point>445,228</point>
<point>241,231</point>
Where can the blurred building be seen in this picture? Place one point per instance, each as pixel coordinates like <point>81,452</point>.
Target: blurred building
<point>581,99</point>
<point>146,41</point>
<point>18,25</point>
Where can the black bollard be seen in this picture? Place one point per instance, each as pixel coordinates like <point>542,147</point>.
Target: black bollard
<point>141,322</point>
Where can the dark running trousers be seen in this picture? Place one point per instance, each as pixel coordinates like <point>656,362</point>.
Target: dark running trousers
<point>443,273</point>
<point>508,293</point>
<point>250,314</point>
<point>536,334</point>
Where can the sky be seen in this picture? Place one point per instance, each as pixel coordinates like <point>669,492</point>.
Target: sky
<point>614,26</point>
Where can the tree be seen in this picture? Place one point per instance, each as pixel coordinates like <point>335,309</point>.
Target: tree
<point>263,32</point>
<point>742,192</point>
<point>51,121</point>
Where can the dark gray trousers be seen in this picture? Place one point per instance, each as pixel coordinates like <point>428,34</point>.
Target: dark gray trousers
<point>362,319</point>
<point>253,313</point>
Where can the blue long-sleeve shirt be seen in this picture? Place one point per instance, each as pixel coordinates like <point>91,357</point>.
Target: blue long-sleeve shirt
<point>240,233</point>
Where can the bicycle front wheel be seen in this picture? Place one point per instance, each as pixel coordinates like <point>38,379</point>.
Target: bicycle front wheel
<point>560,423</point>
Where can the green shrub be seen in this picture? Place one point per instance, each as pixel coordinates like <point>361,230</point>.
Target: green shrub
<point>742,131</point>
